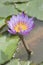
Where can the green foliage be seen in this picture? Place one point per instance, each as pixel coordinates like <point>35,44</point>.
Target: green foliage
<point>2,21</point>
<point>7,10</point>
<point>2,1</point>
<point>8,42</point>
<point>11,48</point>
<point>8,45</point>
<point>41,63</point>
<point>3,57</point>
<point>32,8</point>
<point>14,62</point>
<point>17,62</point>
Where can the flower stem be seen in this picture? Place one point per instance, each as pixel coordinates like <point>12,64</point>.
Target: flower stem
<point>28,51</point>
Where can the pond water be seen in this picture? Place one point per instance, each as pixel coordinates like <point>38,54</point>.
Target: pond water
<point>34,41</point>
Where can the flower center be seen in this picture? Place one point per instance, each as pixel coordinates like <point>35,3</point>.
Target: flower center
<point>20,26</point>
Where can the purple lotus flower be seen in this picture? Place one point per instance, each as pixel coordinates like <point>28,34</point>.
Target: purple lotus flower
<point>20,23</point>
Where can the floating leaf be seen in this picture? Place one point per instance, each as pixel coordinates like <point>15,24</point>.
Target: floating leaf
<point>11,48</point>
<point>2,21</point>
<point>7,10</point>
<point>2,1</point>
<point>3,57</point>
<point>14,62</point>
<point>4,26</point>
<point>8,44</point>
<point>25,62</point>
<point>32,8</point>
<point>17,62</point>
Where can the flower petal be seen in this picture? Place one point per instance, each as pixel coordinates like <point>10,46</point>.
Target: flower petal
<point>10,31</point>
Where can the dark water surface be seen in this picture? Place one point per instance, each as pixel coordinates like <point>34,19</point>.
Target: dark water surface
<point>34,41</point>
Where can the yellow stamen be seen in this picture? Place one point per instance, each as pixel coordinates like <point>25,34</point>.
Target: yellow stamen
<point>20,26</point>
<point>17,28</point>
<point>23,26</point>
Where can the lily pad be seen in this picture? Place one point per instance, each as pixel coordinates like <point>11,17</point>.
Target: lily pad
<point>2,21</point>
<point>17,62</point>
<point>32,8</point>
<point>8,44</point>
<point>7,10</point>
<point>14,62</point>
<point>13,0</point>
<point>3,57</point>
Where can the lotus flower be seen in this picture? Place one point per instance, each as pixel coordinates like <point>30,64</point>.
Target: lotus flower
<point>20,23</point>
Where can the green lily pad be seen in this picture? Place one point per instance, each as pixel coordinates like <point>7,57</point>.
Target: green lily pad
<point>7,10</point>
<point>2,21</point>
<point>3,57</point>
<point>11,48</point>
<point>17,62</point>
<point>32,8</point>
<point>14,62</point>
<point>25,62</point>
<point>8,44</point>
<point>12,1</point>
